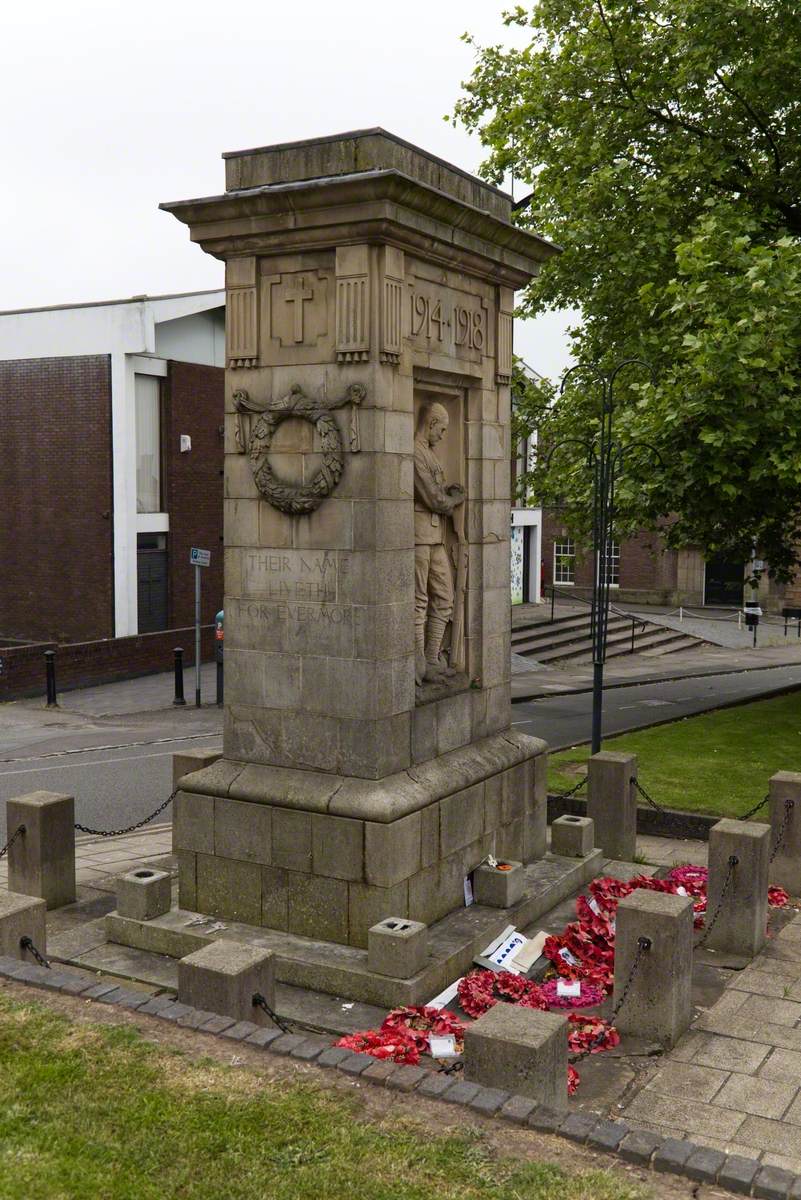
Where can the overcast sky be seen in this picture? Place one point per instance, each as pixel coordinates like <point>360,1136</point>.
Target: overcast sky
<point>110,108</point>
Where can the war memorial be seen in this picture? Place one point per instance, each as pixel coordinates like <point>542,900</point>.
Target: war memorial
<point>375,826</point>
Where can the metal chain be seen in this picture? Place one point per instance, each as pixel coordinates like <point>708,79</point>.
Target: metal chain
<point>450,1069</point>
<point>710,925</point>
<point>643,946</point>
<point>27,944</point>
<point>284,1024</point>
<point>128,828</point>
<point>755,809</point>
<point>18,832</point>
<point>572,791</point>
<point>789,805</point>
<point>649,799</point>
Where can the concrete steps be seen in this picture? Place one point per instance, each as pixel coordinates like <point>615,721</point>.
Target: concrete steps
<point>569,637</point>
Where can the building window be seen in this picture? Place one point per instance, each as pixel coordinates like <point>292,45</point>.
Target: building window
<point>564,561</point>
<point>147,395</point>
<point>613,565</point>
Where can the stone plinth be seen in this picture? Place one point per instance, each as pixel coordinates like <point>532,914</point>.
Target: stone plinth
<point>658,1000</point>
<point>369,298</point>
<point>327,857</point>
<point>520,1050</point>
<point>742,917</point>
<point>612,803</point>
<point>42,861</point>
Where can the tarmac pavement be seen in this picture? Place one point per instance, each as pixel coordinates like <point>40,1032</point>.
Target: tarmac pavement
<point>564,719</point>
<point>112,746</point>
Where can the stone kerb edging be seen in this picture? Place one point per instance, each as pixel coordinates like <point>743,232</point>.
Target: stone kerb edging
<point>746,1176</point>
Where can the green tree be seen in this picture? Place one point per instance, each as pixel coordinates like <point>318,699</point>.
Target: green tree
<point>661,140</point>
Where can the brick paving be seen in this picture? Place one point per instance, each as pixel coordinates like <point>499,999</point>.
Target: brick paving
<point>733,1082</point>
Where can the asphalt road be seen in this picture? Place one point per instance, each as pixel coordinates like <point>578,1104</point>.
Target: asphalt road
<point>564,720</point>
<point>112,787</point>
<point>129,772</point>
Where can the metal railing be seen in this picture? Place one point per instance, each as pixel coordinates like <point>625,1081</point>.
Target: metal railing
<point>638,621</point>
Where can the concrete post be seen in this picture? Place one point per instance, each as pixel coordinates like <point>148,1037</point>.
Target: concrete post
<point>42,863</point>
<point>520,1050</point>
<point>397,947</point>
<point>658,1002</point>
<point>224,976</point>
<point>612,803</point>
<point>785,870</point>
<point>741,923</point>
<point>189,761</point>
<point>21,916</point>
<point>572,837</point>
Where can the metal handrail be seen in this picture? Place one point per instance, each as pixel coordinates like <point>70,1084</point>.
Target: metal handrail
<point>635,620</point>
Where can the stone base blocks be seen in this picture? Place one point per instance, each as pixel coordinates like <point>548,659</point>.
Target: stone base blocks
<point>658,1001</point>
<point>20,917</point>
<point>223,978</point>
<point>520,1050</point>
<point>741,921</point>
<point>785,821</point>
<point>397,948</point>
<point>144,894</point>
<point>42,861</point>
<point>572,837</point>
<point>327,857</point>
<point>498,886</point>
<point>612,803</point>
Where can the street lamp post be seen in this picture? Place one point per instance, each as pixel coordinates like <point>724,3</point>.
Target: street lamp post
<point>604,456</point>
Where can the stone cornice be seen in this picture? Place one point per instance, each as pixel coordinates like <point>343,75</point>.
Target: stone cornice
<point>379,206</point>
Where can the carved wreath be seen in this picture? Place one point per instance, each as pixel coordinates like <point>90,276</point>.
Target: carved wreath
<point>296,499</point>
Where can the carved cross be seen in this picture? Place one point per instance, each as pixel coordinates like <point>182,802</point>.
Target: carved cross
<point>296,295</point>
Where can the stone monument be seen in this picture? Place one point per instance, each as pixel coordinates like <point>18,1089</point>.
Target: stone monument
<point>369,764</point>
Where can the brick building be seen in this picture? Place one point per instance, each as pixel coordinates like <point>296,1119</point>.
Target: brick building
<point>111,467</point>
<point>644,571</point>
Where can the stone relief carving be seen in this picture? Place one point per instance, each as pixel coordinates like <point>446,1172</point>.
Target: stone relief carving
<point>255,428</point>
<point>437,597</point>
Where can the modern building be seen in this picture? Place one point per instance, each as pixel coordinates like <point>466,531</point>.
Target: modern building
<point>112,465</point>
<point>526,533</point>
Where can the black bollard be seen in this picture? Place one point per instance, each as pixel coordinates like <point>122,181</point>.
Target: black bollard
<point>219,682</point>
<point>179,675</point>
<point>50,669</point>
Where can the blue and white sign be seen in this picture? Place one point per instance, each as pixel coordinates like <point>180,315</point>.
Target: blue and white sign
<point>199,558</point>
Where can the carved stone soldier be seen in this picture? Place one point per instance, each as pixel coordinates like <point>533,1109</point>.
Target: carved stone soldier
<point>434,502</point>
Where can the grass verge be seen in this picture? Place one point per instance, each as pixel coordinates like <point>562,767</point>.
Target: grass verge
<point>717,763</point>
<point>96,1111</point>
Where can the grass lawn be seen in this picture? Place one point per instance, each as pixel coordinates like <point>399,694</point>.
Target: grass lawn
<point>95,1112</point>
<point>718,763</point>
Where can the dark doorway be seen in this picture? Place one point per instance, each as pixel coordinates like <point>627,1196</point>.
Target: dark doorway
<point>151,581</point>
<point>724,582</point>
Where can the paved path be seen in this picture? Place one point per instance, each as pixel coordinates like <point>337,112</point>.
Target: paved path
<point>734,1081</point>
<point>98,861</point>
<point>564,720</point>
